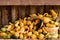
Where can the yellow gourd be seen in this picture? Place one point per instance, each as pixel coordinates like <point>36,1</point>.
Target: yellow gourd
<point>21,36</point>
<point>36,32</point>
<point>44,30</point>
<point>16,23</point>
<point>40,36</point>
<point>12,32</point>
<point>58,35</point>
<point>10,27</point>
<point>50,25</point>
<point>47,15</point>
<point>21,24</point>
<point>33,36</point>
<point>24,21</point>
<point>32,15</point>
<point>40,16</point>
<point>29,33</point>
<point>2,34</point>
<point>34,27</point>
<point>54,14</point>
<point>40,31</point>
<point>16,34</point>
<point>46,19</point>
<point>25,36</point>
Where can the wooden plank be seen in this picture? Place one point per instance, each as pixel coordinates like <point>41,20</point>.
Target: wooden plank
<point>4,16</point>
<point>27,11</point>
<point>51,2</point>
<point>59,13</point>
<point>47,9</point>
<point>9,14</point>
<point>32,9</point>
<point>19,12</point>
<point>14,13</point>
<point>22,10</point>
<point>29,2</point>
<point>36,9</point>
<point>21,2</point>
<point>40,9</point>
<point>0,17</point>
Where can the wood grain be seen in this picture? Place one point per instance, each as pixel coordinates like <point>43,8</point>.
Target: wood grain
<point>40,9</point>
<point>51,2</point>
<point>59,13</point>
<point>4,15</point>
<point>47,9</point>
<point>0,17</point>
<point>27,11</point>
<point>29,2</point>
<point>21,11</point>
<point>32,9</point>
<point>14,12</point>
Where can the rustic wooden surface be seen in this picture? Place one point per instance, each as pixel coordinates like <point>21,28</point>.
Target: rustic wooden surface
<point>29,2</point>
<point>4,15</point>
<point>13,13</point>
<point>33,9</point>
<point>0,17</point>
<point>21,11</point>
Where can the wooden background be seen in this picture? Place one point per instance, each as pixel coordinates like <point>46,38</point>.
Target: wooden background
<point>13,13</point>
<point>29,2</point>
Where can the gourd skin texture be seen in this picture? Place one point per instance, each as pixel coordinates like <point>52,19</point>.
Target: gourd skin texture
<point>30,27</point>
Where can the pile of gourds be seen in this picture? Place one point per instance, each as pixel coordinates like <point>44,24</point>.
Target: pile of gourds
<point>30,27</point>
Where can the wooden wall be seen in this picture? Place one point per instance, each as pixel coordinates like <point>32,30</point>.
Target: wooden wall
<point>13,13</point>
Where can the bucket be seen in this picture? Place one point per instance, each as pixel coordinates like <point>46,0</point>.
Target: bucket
<point>52,32</point>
